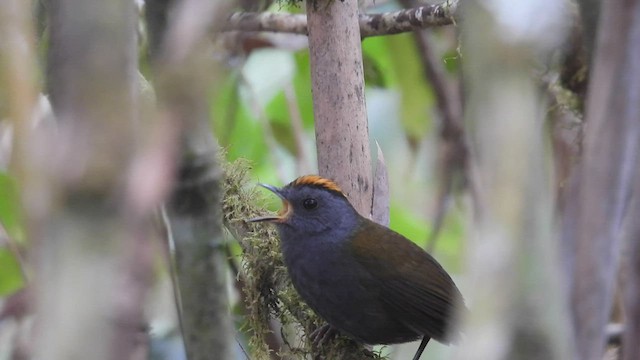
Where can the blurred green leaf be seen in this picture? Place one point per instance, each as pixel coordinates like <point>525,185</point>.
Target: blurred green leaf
<point>403,221</point>
<point>302,87</point>
<point>234,126</point>
<point>277,109</point>
<point>247,139</point>
<point>373,74</point>
<point>448,249</point>
<point>284,136</point>
<point>415,228</point>
<point>378,63</point>
<point>417,96</point>
<point>451,60</point>
<point>225,108</point>
<point>11,274</point>
<point>10,209</point>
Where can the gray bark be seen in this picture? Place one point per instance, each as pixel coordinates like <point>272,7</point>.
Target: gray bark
<point>342,132</point>
<point>631,278</point>
<point>194,210</point>
<point>79,233</point>
<point>196,228</point>
<point>602,185</point>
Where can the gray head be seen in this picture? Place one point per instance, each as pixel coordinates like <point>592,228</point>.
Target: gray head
<point>312,206</point>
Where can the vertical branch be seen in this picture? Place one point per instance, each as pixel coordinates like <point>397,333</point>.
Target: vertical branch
<point>19,70</point>
<point>79,232</point>
<point>156,15</point>
<point>631,277</point>
<point>194,213</point>
<point>513,252</point>
<point>342,133</point>
<point>194,210</point>
<point>590,14</point>
<point>600,191</point>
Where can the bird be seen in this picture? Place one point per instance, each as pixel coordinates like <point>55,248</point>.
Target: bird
<point>365,280</point>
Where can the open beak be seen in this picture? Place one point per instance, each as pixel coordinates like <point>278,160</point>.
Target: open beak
<point>282,214</point>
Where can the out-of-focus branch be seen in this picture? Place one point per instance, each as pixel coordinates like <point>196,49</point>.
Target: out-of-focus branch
<point>513,250</point>
<point>601,188</point>
<point>74,206</point>
<point>566,127</point>
<point>630,278</point>
<point>370,24</point>
<point>185,73</point>
<point>589,14</point>
<point>18,70</point>
<point>156,13</point>
<point>147,185</point>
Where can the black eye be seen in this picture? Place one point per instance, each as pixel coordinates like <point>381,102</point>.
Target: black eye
<point>310,203</point>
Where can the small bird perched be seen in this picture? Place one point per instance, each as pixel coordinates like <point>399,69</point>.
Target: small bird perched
<point>367,281</point>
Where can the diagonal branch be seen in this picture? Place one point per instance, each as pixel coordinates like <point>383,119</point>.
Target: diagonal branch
<point>389,23</point>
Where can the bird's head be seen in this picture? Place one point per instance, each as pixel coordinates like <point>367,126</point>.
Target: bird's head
<point>311,205</point>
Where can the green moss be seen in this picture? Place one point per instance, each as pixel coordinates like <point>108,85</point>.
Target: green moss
<point>268,290</point>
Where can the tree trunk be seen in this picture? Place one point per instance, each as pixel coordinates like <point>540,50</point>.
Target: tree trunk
<point>631,278</point>
<point>194,210</point>
<point>601,190</point>
<point>82,237</point>
<point>342,133</point>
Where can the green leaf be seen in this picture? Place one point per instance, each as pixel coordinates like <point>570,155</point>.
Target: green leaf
<point>235,128</point>
<point>11,275</point>
<point>378,63</point>
<point>10,209</point>
<point>449,243</point>
<point>451,60</point>
<point>417,95</point>
<point>406,223</point>
<point>448,249</point>
<point>302,87</point>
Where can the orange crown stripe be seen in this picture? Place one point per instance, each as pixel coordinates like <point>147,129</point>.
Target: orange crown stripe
<point>315,180</point>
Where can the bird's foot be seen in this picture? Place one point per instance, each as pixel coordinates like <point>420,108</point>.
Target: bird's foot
<point>322,334</point>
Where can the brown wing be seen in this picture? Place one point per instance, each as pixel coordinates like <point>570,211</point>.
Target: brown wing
<point>411,282</point>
